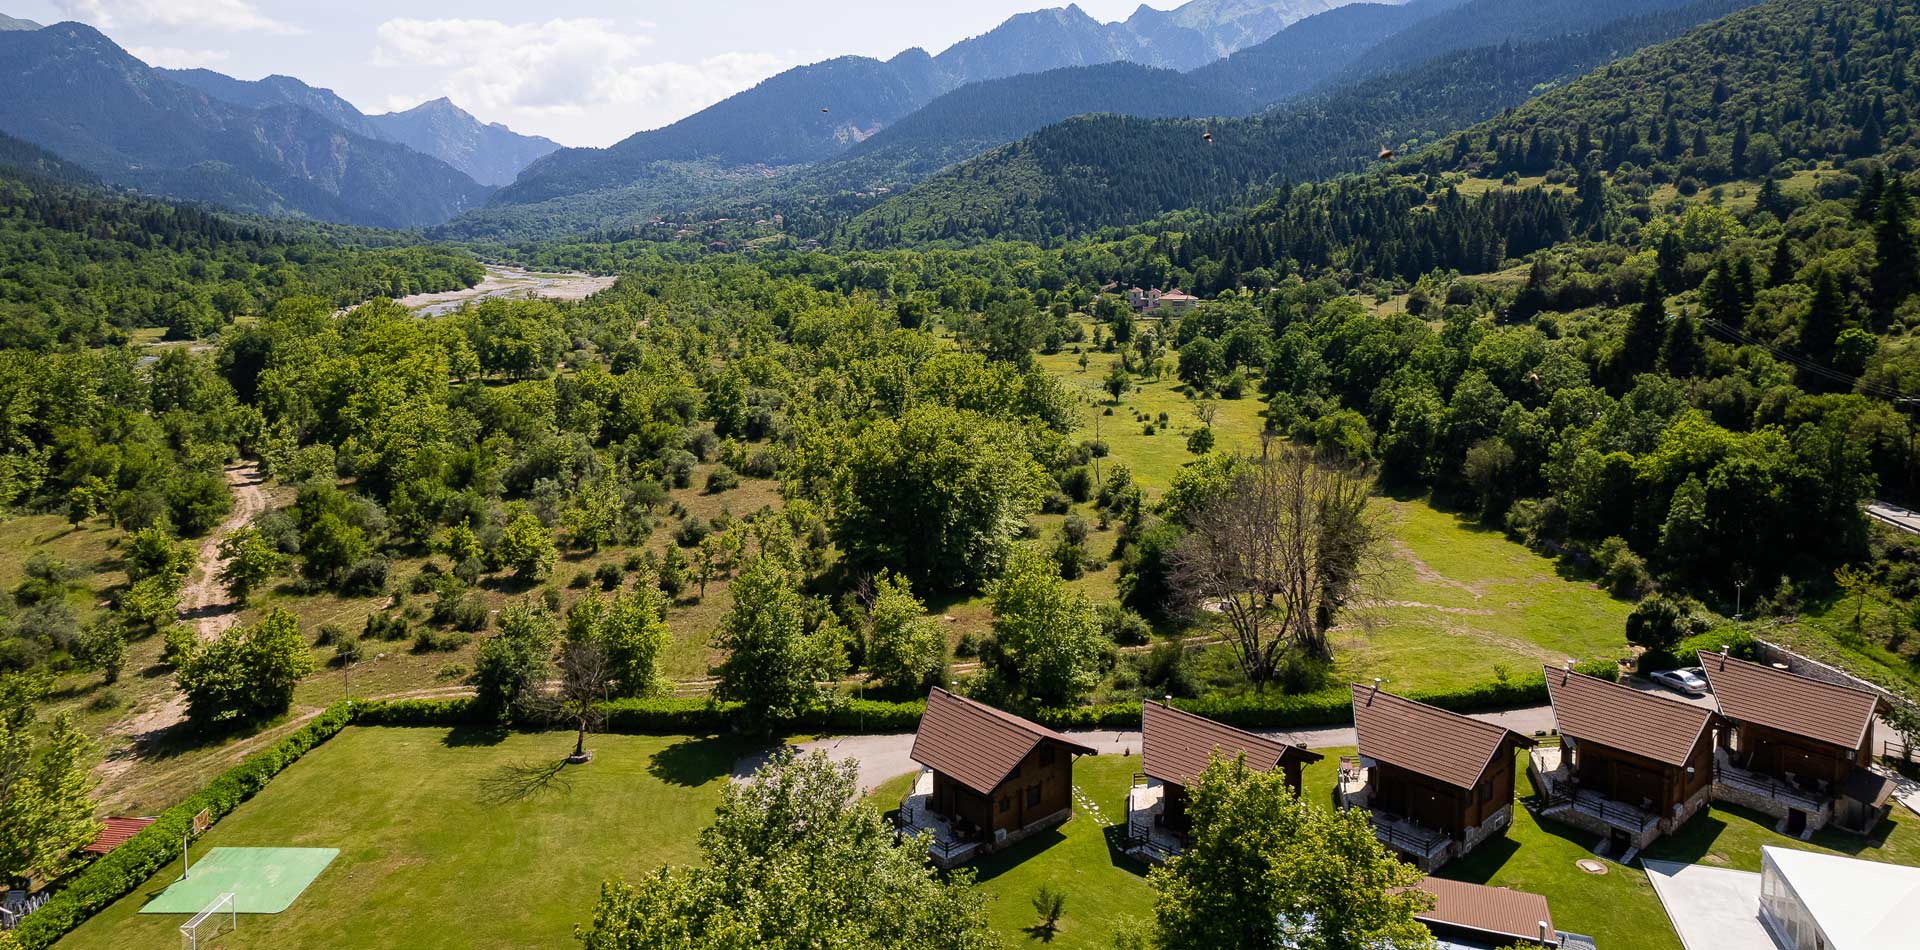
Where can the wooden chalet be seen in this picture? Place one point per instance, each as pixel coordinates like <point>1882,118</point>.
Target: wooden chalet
<point>1175,747</point>
<point>1438,783</point>
<point>1475,915</point>
<point>1796,748</point>
<point>1630,765</point>
<point>989,777</point>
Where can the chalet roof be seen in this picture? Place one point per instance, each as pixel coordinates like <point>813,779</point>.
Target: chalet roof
<point>976,744</point>
<point>115,833</point>
<point>1493,911</point>
<point>1433,742</point>
<point>1593,710</point>
<point>1175,746</point>
<point>1777,699</point>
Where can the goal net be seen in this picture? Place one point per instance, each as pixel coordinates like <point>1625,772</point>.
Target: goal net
<point>215,919</point>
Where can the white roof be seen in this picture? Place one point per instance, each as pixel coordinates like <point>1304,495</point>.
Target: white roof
<point>1860,905</point>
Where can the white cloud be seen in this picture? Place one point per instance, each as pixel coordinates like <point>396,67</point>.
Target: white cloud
<point>565,77</point>
<point>173,57</point>
<point>237,16</point>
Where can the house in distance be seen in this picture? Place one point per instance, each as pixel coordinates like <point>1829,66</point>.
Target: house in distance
<point>1437,783</point>
<point>1175,747</point>
<point>1796,748</point>
<point>988,778</point>
<point>1630,766</point>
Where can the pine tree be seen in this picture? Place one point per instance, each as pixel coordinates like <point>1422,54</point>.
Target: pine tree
<point>1782,268</point>
<point>1826,317</point>
<point>1894,258</point>
<point>1683,353</point>
<point>1640,348</point>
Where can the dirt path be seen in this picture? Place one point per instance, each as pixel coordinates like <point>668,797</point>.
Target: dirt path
<point>203,601</point>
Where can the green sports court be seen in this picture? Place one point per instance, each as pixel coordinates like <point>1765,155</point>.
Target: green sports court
<point>261,880</point>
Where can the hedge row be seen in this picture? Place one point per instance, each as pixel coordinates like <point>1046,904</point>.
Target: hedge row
<point>130,865</point>
<point>1332,707</point>
<point>667,716</point>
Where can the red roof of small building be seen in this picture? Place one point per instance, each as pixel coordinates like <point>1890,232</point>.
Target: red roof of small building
<point>1494,911</point>
<point>115,833</point>
<point>1593,710</point>
<point>976,744</point>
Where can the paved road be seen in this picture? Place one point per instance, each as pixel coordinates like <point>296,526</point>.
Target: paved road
<point>1905,519</point>
<point>882,757</point>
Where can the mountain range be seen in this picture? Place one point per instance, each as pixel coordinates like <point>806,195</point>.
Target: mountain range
<point>814,112</point>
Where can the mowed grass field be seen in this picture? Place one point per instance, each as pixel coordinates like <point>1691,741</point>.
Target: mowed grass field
<point>442,843</point>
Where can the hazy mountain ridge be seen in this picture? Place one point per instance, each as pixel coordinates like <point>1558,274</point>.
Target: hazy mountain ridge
<point>71,90</point>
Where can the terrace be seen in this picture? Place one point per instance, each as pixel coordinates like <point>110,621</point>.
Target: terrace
<point>955,841</point>
<point>1428,846</point>
<point>1150,840</point>
<point>1787,794</point>
<point>1560,792</point>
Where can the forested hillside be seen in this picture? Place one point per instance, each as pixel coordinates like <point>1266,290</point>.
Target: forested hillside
<point>1091,172</point>
<point>81,266</point>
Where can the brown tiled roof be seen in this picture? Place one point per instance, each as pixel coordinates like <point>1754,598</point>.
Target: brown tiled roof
<point>1777,699</point>
<point>1433,742</point>
<point>1494,911</point>
<point>1593,710</point>
<point>115,833</point>
<point>976,744</point>
<point>1175,746</point>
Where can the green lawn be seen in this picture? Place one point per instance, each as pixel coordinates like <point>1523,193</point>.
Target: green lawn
<point>439,836</point>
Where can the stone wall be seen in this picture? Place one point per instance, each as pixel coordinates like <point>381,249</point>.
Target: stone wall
<point>1767,804</point>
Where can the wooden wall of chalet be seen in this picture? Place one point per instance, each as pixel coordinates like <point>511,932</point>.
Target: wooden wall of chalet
<point>1769,751</point>
<point>1041,785</point>
<point>1445,807</point>
<point>1629,778</point>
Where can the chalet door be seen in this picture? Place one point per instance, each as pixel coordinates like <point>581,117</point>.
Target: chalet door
<point>1430,809</point>
<point>1633,785</point>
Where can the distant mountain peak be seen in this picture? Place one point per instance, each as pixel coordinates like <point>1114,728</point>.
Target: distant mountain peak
<point>14,23</point>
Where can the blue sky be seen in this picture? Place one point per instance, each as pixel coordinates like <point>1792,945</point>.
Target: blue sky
<point>588,72</point>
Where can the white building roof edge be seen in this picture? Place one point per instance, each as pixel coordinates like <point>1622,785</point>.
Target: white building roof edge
<point>1859,905</point>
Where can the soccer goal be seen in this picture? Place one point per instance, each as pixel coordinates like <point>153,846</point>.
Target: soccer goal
<point>213,920</point>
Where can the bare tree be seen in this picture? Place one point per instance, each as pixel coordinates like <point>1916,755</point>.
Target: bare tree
<point>1280,554</point>
<point>576,695</point>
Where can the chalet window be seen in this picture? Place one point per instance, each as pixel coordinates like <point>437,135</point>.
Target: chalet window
<point>1486,792</point>
<point>1006,803</point>
<point>1046,755</point>
<point>1033,795</point>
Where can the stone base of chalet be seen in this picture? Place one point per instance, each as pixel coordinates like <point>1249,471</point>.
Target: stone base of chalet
<point>1571,814</point>
<point>1495,825</point>
<point>1746,797</point>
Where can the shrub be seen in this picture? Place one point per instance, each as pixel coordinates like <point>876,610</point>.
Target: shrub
<point>347,650</point>
<point>580,579</point>
<point>385,626</point>
<point>609,575</point>
<point>469,614</point>
<point>430,640</point>
<point>367,577</point>
<point>691,532</point>
<point>330,633</point>
<point>722,479</point>
<point>967,646</point>
<point>1123,626</point>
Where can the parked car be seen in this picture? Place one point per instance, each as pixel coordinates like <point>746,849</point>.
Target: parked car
<point>1690,680</point>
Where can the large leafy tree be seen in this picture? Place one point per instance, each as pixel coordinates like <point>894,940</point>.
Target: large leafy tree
<point>1266,870</point>
<point>45,811</point>
<point>247,673</point>
<point>778,661</point>
<point>1047,639</point>
<point>794,861</point>
<point>631,631</point>
<point>248,561</point>
<point>905,649</point>
<point>511,664</point>
<point>938,495</point>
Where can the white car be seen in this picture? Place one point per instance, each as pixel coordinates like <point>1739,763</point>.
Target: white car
<point>1690,680</point>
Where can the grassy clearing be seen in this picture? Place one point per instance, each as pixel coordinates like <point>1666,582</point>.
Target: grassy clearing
<point>438,836</point>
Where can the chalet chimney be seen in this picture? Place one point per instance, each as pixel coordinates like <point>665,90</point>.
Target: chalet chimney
<point>1376,686</point>
<point>1546,932</point>
<point>1569,664</point>
<point>1725,649</point>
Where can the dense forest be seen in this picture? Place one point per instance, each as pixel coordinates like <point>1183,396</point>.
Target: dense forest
<point>79,265</point>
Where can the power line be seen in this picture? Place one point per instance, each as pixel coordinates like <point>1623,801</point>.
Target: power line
<point>1802,362</point>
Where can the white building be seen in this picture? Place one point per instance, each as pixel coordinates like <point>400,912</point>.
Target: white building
<point>1811,901</point>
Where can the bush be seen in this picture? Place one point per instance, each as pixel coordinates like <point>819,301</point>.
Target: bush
<point>691,532</point>
<point>1658,624</point>
<point>367,577</point>
<point>330,633</point>
<point>1123,626</point>
<point>469,614</point>
<point>385,627</point>
<point>430,640</point>
<point>580,579</point>
<point>609,576</point>
<point>762,464</point>
<point>722,479</point>
<point>967,646</point>
<point>347,650</point>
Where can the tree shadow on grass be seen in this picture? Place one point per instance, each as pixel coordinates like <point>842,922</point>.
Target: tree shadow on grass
<point>1042,932</point>
<point>525,781</point>
<point>464,736</point>
<point>695,762</point>
<point>1026,849</point>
